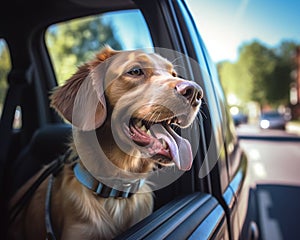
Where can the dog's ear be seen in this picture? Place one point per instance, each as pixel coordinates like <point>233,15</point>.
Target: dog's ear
<point>81,99</point>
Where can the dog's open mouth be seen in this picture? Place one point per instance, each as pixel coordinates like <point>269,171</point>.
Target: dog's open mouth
<point>162,142</point>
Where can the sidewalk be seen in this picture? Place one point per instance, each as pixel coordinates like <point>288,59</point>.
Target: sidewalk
<point>293,127</point>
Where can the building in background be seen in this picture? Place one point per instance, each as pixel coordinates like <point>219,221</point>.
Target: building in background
<point>295,88</point>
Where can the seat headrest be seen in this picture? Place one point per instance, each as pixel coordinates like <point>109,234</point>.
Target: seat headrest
<point>50,141</point>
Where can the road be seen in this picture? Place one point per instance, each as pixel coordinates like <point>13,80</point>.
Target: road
<point>274,166</point>
<point>272,160</point>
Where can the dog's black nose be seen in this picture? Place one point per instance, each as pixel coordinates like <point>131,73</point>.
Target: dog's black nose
<point>191,91</point>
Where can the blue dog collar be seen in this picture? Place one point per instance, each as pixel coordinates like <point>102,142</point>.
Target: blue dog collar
<point>121,189</point>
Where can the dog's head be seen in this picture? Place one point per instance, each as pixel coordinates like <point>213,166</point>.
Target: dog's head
<point>140,95</point>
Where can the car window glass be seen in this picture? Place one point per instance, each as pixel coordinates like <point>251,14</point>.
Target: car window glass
<point>73,42</point>
<point>214,97</point>
<point>5,66</point>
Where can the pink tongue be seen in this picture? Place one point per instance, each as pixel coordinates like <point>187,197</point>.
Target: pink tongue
<point>180,148</point>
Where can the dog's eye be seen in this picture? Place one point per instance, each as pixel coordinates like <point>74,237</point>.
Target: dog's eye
<point>136,72</point>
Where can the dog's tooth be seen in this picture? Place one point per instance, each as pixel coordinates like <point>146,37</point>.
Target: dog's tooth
<point>169,121</point>
<point>149,133</point>
<point>143,128</point>
<point>164,144</point>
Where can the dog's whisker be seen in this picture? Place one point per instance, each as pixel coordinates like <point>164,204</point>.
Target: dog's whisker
<point>203,114</point>
<point>154,116</point>
<point>175,59</point>
<point>157,117</point>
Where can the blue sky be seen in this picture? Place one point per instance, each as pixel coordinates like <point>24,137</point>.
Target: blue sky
<point>225,24</point>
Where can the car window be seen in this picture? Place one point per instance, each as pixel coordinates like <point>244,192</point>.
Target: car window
<point>73,42</point>
<point>5,66</point>
<point>213,98</point>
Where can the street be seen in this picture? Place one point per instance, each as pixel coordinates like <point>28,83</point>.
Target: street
<point>274,166</point>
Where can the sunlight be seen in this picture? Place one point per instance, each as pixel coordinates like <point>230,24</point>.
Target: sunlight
<point>259,170</point>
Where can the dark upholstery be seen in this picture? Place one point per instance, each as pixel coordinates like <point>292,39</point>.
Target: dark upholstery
<point>46,145</point>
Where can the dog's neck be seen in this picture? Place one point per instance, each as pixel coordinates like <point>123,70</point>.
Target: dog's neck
<point>117,188</point>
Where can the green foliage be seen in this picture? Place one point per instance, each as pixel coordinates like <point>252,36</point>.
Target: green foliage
<point>235,80</point>
<point>260,74</point>
<point>259,62</point>
<point>5,66</point>
<point>74,42</point>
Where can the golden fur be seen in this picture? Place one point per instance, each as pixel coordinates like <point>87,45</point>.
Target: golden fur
<point>77,213</point>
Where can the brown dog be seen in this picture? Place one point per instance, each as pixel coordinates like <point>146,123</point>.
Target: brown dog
<point>127,100</point>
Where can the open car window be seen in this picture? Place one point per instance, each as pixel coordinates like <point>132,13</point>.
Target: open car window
<point>5,66</point>
<point>74,42</point>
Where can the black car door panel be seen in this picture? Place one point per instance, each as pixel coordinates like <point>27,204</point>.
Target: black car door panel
<point>195,216</point>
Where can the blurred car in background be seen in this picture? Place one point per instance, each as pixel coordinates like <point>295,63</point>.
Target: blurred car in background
<point>272,120</point>
<point>239,118</point>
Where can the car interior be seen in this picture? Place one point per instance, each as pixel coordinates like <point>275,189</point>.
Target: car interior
<point>33,135</point>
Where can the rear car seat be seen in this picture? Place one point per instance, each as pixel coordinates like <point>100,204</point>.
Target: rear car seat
<point>46,145</point>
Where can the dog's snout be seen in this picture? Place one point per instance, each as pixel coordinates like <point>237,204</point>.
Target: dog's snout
<point>191,91</point>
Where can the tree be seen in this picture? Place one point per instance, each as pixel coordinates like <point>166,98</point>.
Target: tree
<point>235,81</point>
<point>261,74</point>
<point>278,90</point>
<point>72,43</point>
<point>259,63</point>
